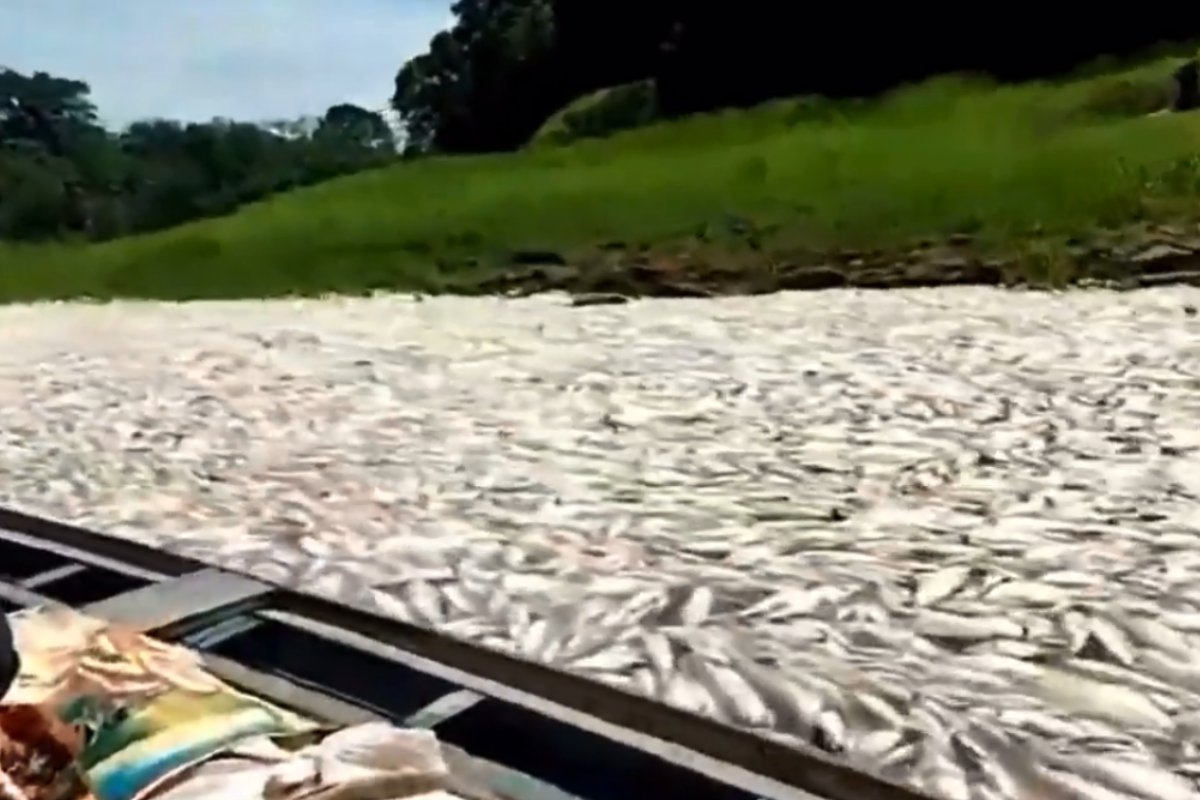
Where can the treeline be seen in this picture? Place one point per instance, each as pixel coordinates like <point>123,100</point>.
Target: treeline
<point>63,175</point>
<point>495,77</point>
<point>487,84</point>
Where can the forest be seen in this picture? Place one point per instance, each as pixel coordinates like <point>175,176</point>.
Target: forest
<point>490,82</point>
<point>64,176</point>
<point>497,80</point>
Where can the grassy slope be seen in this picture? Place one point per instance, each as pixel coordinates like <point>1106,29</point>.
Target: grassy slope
<point>942,158</point>
<point>559,129</point>
<point>556,126</point>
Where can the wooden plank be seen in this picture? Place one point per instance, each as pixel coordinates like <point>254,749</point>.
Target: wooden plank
<point>109,552</point>
<point>51,575</point>
<point>170,606</point>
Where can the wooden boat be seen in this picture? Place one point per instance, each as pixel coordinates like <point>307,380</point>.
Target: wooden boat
<point>285,664</point>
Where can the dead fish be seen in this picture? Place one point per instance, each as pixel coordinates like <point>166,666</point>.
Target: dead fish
<point>863,614</point>
<point>1116,673</point>
<point>876,708</point>
<point>1070,579</point>
<point>1040,723</point>
<point>686,605</point>
<point>830,733</point>
<point>1027,593</point>
<point>645,682</point>
<point>683,693</point>
<point>659,653</point>
<point>1171,670</point>
<point>635,609</point>
<point>1076,628</point>
<point>1106,642</point>
<point>1079,694</point>
<point>426,602</point>
<point>793,603</point>
<point>698,606</point>
<point>1153,633</point>
<point>954,626</point>
<point>795,708</point>
<point>462,601</point>
<point>991,663</point>
<point>942,584</point>
<point>1009,647</point>
<point>394,607</point>
<point>619,658</point>
<point>1140,779</point>
<point>874,744</point>
<point>730,691</point>
<point>1017,774</point>
<point>1062,785</point>
<point>941,776</point>
<point>541,641</point>
<point>1186,621</point>
<point>470,628</point>
<point>898,758</point>
<point>1188,725</point>
<point>584,641</point>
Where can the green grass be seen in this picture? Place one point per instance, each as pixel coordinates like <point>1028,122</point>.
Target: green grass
<point>557,126</point>
<point>952,156</point>
<point>599,113</point>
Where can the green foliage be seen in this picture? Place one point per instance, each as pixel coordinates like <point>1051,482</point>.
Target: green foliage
<point>471,91</point>
<point>601,113</point>
<point>63,175</point>
<point>511,72</point>
<point>946,157</point>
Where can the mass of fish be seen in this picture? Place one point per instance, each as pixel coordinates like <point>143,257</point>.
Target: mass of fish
<point>950,535</point>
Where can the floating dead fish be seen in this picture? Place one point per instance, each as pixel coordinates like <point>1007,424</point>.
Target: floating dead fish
<point>955,626</point>
<point>1133,778</point>
<point>875,744</point>
<point>1107,642</point>
<point>1027,594</point>
<point>465,484</point>
<point>1153,633</point>
<point>944,583</point>
<point>1122,705</point>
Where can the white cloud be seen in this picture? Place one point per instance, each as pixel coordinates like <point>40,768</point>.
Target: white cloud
<point>198,59</point>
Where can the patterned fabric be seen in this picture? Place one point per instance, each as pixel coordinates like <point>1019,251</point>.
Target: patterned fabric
<point>146,709</point>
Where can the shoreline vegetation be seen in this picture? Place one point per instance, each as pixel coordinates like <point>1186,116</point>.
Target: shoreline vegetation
<point>952,181</point>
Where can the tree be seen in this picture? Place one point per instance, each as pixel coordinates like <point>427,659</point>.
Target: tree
<point>355,127</point>
<point>486,84</point>
<point>43,110</point>
<point>506,66</point>
<point>49,130</point>
<point>63,174</point>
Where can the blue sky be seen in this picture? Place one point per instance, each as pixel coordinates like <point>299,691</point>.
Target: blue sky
<point>198,59</point>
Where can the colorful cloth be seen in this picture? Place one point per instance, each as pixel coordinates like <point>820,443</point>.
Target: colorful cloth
<point>146,710</point>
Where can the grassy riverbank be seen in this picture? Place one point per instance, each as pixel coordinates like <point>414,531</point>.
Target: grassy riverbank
<point>1016,172</point>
